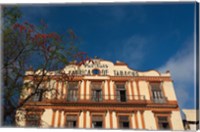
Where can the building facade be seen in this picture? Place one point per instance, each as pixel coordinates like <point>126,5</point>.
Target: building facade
<point>191,121</point>
<point>103,94</point>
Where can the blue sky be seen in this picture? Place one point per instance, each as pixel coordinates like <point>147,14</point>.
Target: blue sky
<point>145,36</point>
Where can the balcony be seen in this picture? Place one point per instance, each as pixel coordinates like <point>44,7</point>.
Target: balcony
<point>159,100</point>
<point>104,98</point>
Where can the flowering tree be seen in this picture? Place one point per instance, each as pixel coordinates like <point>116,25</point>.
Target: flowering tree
<point>26,46</point>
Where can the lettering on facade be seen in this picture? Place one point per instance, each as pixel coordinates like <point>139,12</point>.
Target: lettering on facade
<point>87,72</point>
<point>96,66</point>
<point>103,69</point>
<point>103,72</point>
<point>124,73</point>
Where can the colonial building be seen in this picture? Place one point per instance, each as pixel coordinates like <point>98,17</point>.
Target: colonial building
<point>102,94</point>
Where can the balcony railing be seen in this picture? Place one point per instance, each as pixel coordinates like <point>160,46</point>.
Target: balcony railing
<point>101,98</point>
<point>159,100</point>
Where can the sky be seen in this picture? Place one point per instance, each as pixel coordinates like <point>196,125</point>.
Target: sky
<point>145,36</point>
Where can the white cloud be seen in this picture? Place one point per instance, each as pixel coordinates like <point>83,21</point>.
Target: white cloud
<point>133,50</point>
<point>181,67</point>
<point>118,13</point>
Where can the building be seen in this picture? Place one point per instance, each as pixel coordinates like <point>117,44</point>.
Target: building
<point>101,94</point>
<point>191,121</point>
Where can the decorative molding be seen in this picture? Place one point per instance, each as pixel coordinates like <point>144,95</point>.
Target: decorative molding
<point>114,78</point>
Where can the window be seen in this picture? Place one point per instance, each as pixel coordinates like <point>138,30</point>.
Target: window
<point>96,92</point>
<point>163,123</point>
<point>97,95</point>
<point>38,95</point>
<point>33,118</point>
<point>95,72</point>
<point>157,94</point>
<point>72,94</point>
<point>121,92</point>
<point>97,121</point>
<point>123,122</point>
<point>71,122</point>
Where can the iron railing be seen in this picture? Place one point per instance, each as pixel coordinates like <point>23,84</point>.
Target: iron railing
<point>101,98</point>
<point>159,100</point>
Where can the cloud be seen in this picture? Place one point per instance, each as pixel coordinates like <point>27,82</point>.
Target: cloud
<point>181,66</point>
<point>134,48</point>
<point>122,13</point>
<point>118,13</point>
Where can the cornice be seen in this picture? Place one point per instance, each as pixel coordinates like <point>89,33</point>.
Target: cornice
<point>114,78</point>
<point>104,105</point>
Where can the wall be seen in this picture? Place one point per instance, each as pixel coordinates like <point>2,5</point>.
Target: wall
<point>176,121</point>
<point>144,90</point>
<point>107,120</point>
<point>46,118</point>
<point>149,119</point>
<point>114,119</point>
<point>169,90</point>
<point>81,120</point>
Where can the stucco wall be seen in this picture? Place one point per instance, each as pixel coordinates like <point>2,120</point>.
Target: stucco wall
<point>130,90</point>
<point>107,120</point>
<point>56,119</point>
<point>176,121</point>
<point>133,120</point>
<point>169,90</point>
<point>46,118</point>
<point>88,120</point>
<point>144,90</point>
<point>106,90</point>
<point>52,93</point>
<point>190,114</point>
<point>87,89</point>
<point>139,120</point>
<point>149,120</point>
<point>81,120</point>
<point>112,90</point>
<point>149,73</point>
<point>135,88</point>
<point>82,90</point>
<point>114,116</point>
